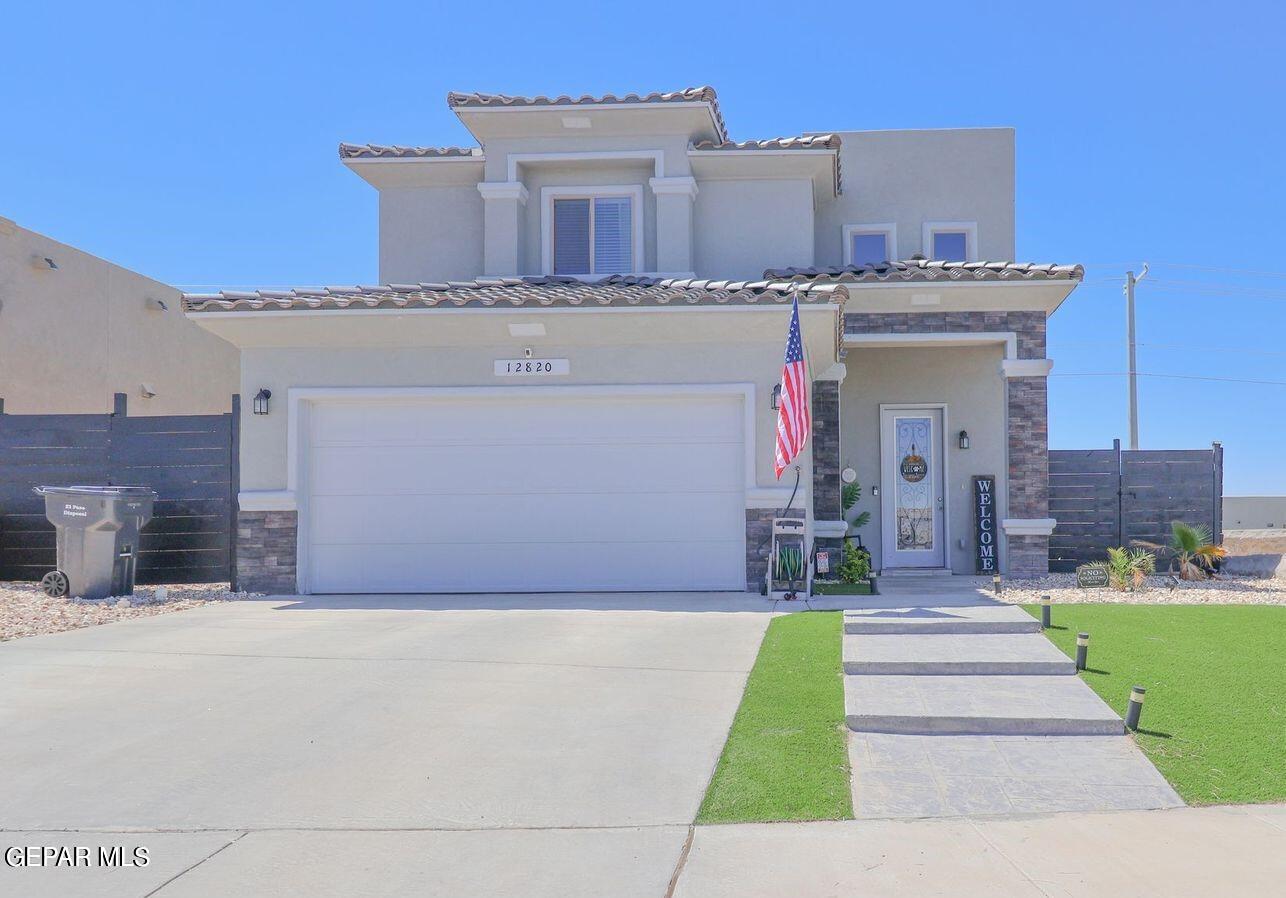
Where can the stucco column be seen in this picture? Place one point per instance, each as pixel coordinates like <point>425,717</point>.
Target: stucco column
<point>1028,524</point>
<point>674,198</point>
<point>502,207</point>
<point>828,512</point>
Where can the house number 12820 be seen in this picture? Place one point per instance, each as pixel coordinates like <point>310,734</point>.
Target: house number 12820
<point>531,367</point>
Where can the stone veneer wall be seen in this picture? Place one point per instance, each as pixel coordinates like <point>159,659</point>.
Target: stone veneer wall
<point>1027,413</point>
<point>267,547</point>
<point>827,500</point>
<point>759,542</point>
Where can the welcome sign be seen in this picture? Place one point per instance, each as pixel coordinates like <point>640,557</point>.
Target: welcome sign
<point>984,524</point>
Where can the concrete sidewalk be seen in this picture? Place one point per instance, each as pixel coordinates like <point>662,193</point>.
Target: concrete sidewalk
<point>1197,852</point>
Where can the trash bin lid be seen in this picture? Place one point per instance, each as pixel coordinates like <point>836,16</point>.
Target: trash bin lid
<point>99,492</point>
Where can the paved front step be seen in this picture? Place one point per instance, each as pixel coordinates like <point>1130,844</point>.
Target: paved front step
<point>965,619</point>
<point>983,705</point>
<point>938,654</point>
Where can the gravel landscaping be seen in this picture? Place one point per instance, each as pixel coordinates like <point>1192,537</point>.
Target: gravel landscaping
<point>1226,590</point>
<point>26,611</point>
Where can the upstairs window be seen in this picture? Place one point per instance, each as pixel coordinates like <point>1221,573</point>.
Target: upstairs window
<point>596,234</point>
<point>951,241</point>
<point>869,244</point>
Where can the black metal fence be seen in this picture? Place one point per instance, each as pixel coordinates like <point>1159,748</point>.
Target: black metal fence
<point>1115,497</point>
<point>190,460</point>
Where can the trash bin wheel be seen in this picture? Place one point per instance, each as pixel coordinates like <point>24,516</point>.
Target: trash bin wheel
<point>55,584</point>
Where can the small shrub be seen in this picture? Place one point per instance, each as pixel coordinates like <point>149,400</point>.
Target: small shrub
<point>1127,569</point>
<point>856,565</point>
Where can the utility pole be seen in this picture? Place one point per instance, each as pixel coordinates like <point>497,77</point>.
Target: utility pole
<point>1130,281</point>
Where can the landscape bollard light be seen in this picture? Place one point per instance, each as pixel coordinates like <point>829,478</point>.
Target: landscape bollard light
<point>1044,612</point>
<point>1082,649</point>
<point>1135,708</point>
<point>995,583</point>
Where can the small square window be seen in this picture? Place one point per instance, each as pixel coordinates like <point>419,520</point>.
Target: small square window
<point>870,248</point>
<point>869,244</point>
<point>951,246</point>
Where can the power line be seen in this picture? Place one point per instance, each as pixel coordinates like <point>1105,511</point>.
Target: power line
<point>1226,380</point>
<point>1186,347</point>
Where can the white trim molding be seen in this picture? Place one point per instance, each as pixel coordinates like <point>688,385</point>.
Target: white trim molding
<point>656,157</point>
<point>836,372</point>
<point>503,190</point>
<point>970,229</point>
<point>1026,367</point>
<point>830,529</point>
<point>266,500</point>
<point>1028,526</point>
<point>552,192</point>
<point>888,228</point>
<point>683,186</point>
<point>1008,338</point>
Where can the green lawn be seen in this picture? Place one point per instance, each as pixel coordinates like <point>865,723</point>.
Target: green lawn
<point>826,588</point>
<point>1214,721</point>
<point>786,757</point>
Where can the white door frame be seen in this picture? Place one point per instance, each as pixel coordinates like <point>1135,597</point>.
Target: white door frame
<point>300,399</point>
<point>887,497</point>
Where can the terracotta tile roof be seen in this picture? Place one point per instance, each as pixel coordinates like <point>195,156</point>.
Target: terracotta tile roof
<point>687,95</point>
<point>917,270</point>
<point>807,142</point>
<point>617,290</point>
<point>376,151</point>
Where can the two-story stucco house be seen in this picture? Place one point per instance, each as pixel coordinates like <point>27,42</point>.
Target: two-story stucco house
<point>565,379</point>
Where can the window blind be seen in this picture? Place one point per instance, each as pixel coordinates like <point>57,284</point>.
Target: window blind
<point>613,235</point>
<point>571,236</point>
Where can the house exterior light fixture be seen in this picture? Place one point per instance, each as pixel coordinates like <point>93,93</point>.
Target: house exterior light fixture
<point>776,397</point>
<point>261,401</point>
<point>964,439</point>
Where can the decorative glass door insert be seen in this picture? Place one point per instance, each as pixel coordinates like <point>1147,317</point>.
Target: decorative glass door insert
<point>914,501</point>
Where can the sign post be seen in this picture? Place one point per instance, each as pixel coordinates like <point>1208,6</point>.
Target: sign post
<point>984,524</point>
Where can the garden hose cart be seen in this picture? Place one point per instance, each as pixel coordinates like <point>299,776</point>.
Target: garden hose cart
<point>787,561</point>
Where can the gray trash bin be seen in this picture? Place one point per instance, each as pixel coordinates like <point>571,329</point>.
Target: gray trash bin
<point>97,538</point>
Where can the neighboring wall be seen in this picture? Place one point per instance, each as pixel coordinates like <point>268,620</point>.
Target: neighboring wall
<point>743,227</point>
<point>967,379</point>
<point>1253,512</point>
<point>70,338</point>
<point>430,234</point>
<point>910,177</point>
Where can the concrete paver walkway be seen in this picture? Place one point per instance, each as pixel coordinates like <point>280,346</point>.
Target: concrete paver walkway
<point>959,705</point>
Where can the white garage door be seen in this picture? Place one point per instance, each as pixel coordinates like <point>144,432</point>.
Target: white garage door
<point>537,492</point>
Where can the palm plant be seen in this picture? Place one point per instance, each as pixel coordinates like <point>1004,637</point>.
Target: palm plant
<point>1194,554</point>
<point>1127,569</point>
<point>848,498</point>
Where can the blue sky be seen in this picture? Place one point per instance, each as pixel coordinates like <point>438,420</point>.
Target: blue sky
<point>196,144</point>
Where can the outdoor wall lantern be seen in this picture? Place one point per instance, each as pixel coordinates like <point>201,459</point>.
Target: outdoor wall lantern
<point>776,397</point>
<point>964,439</point>
<point>261,401</point>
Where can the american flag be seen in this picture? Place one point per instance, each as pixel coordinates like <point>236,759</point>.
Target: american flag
<point>793,421</point>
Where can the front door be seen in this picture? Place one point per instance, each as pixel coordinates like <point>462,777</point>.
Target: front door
<point>912,507</point>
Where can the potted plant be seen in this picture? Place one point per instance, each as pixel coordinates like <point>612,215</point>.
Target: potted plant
<point>856,564</point>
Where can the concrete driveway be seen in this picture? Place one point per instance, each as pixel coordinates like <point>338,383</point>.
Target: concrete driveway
<point>343,745</point>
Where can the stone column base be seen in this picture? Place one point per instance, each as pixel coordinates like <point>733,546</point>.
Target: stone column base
<point>267,551</point>
<point>759,542</point>
<point>1028,556</point>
